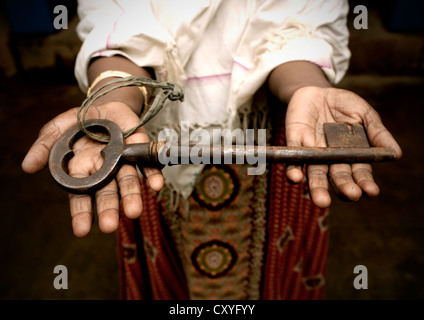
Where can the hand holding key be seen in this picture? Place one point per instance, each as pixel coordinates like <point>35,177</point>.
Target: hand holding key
<point>88,160</point>
<point>311,107</point>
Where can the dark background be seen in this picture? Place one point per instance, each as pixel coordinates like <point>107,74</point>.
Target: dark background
<point>385,234</point>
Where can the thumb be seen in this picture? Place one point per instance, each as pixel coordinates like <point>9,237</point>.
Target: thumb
<point>37,157</point>
<point>378,134</point>
<point>38,154</point>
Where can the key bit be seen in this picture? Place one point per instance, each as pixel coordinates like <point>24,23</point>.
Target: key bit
<point>341,135</point>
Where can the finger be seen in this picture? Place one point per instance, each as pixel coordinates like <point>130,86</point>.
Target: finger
<point>351,108</point>
<point>81,213</point>
<point>318,185</point>
<point>294,174</point>
<point>378,135</point>
<point>130,191</point>
<point>154,178</point>
<point>107,202</point>
<point>153,175</point>
<point>81,166</point>
<point>38,154</point>
<point>362,174</point>
<point>343,183</point>
<point>80,205</point>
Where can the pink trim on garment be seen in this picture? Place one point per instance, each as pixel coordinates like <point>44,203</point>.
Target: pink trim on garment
<point>209,77</point>
<point>323,63</point>
<point>114,26</point>
<point>241,65</point>
<point>217,76</point>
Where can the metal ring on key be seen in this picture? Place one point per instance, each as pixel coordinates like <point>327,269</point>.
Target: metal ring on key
<point>62,152</point>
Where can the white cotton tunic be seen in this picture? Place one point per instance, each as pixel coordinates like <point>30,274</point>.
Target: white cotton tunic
<point>219,51</point>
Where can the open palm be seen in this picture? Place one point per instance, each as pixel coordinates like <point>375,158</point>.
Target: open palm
<point>308,110</point>
<point>87,160</point>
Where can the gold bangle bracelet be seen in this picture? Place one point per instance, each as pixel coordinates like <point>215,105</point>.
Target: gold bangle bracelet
<point>117,74</point>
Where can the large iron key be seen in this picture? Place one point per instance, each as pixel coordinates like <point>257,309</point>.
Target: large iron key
<point>346,144</point>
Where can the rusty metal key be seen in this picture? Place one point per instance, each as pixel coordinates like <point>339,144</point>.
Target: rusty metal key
<point>346,144</point>
<point>113,154</point>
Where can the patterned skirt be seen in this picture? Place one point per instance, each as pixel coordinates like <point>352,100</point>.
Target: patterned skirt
<point>244,237</point>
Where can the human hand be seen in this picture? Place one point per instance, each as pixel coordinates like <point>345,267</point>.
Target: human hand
<point>308,110</point>
<point>87,160</point>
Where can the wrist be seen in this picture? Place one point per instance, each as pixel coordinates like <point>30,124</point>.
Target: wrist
<point>306,87</point>
<point>104,69</point>
<point>289,77</point>
<point>134,97</point>
<point>126,96</point>
<point>287,94</point>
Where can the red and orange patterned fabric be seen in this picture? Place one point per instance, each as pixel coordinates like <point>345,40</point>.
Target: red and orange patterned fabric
<point>244,237</point>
